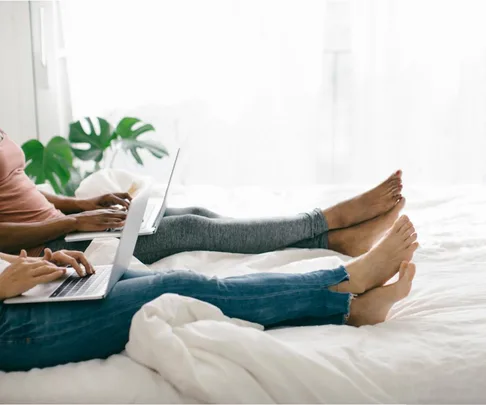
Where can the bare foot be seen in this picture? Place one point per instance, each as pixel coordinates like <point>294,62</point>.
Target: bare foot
<point>373,306</point>
<point>366,206</point>
<point>357,240</point>
<point>381,263</point>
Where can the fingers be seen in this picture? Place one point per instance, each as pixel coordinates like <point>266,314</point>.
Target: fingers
<point>46,269</point>
<point>64,258</point>
<point>54,275</point>
<point>115,199</point>
<point>23,253</point>
<point>125,196</point>
<point>47,254</point>
<point>109,218</point>
<point>37,264</point>
<point>113,223</point>
<point>80,257</point>
<point>108,213</point>
<point>112,214</point>
<point>113,219</point>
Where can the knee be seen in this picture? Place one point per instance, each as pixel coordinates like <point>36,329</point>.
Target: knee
<point>191,222</point>
<point>201,212</point>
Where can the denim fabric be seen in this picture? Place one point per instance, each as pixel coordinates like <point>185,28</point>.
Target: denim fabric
<point>189,229</point>
<point>48,334</point>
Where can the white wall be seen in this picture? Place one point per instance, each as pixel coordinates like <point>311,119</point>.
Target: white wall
<point>17,95</point>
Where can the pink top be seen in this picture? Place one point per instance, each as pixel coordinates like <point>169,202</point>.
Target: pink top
<point>20,201</point>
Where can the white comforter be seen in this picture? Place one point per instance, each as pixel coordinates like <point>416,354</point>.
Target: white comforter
<point>431,350</point>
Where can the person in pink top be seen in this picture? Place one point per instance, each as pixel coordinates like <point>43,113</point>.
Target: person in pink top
<point>31,217</point>
<point>367,227</point>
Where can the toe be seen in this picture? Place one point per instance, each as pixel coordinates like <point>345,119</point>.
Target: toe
<point>401,201</point>
<point>400,223</point>
<point>408,230</point>
<point>394,183</point>
<point>396,192</point>
<point>393,176</point>
<point>411,271</point>
<point>412,238</point>
<point>403,268</point>
<point>408,274</point>
<point>412,248</point>
<point>395,186</point>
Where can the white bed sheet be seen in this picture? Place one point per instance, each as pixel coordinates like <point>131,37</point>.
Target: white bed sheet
<point>432,350</point>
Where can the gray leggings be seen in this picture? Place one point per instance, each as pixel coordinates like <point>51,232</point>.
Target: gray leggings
<point>189,229</point>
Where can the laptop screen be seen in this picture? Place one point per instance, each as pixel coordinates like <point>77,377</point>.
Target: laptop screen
<point>129,235</point>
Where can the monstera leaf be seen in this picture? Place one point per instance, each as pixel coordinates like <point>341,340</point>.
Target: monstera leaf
<point>50,163</point>
<point>75,179</point>
<point>90,145</point>
<point>128,130</point>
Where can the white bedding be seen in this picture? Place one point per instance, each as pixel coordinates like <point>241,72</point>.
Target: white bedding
<point>432,350</point>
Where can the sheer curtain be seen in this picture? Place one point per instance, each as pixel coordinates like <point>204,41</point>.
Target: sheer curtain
<point>288,91</point>
<point>419,89</point>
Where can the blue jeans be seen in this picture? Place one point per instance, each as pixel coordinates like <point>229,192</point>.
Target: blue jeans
<point>48,334</point>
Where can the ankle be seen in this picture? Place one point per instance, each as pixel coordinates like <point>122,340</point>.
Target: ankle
<point>335,241</point>
<point>344,241</point>
<point>333,218</point>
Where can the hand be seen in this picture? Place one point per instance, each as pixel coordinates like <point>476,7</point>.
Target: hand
<point>24,274</point>
<point>105,201</point>
<point>99,220</point>
<point>69,258</point>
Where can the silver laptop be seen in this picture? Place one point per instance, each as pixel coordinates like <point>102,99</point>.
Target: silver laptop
<point>71,287</point>
<point>153,215</point>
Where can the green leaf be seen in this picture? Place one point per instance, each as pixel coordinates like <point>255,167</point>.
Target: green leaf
<point>71,186</point>
<point>94,143</point>
<point>128,130</point>
<point>132,146</point>
<point>50,163</point>
<point>125,129</point>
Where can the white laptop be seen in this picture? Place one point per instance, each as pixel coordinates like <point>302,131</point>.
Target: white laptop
<point>153,215</point>
<point>71,287</point>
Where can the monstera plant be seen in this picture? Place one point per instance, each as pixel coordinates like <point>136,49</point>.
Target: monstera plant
<point>52,163</point>
<point>90,140</point>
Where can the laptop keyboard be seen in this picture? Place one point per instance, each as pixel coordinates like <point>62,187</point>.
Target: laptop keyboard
<point>75,286</point>
<point>148,214</point>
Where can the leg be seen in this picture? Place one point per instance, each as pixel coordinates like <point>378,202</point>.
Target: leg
<point>47,334</point>
<point>182,233</point>
<point>188,232</point>
<point>188,229</point>
<point>363,207</point>
<point>205,230</point>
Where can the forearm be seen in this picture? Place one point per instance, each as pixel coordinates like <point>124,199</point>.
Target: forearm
<point>14,237</point>
<point>67,205</point>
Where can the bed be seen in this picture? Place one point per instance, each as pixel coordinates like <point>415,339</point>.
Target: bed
<point>431,350</point>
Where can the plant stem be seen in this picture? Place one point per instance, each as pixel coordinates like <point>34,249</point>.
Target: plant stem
<point>117,149</point>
